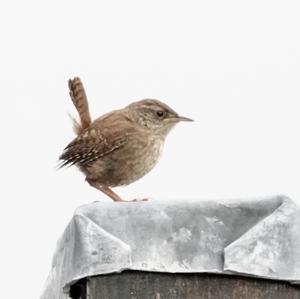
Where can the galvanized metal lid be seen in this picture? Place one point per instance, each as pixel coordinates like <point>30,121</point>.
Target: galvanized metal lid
<point>257,237</point>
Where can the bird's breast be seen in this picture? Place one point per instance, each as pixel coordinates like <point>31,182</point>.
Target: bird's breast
<point>137,159</point>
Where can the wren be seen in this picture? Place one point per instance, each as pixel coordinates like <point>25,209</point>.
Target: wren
<point>121,146</point>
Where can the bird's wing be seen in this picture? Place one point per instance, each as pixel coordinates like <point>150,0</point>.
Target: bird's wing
<point>95,143</point>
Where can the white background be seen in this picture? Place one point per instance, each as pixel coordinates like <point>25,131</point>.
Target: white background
<point>233,66</point>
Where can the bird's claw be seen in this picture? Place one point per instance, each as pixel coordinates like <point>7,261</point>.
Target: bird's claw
<point>139,199</point>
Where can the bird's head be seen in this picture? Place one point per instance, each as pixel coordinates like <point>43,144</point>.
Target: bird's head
<point>154,115</point>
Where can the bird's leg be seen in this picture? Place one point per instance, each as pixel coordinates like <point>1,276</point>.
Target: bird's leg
<point>114,196</point>
<point>106,190</point>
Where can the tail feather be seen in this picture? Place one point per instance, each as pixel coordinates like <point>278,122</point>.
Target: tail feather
<point>77,127</point>
<point>79,99</point>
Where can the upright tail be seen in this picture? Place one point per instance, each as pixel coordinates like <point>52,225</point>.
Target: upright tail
<point>79,99</point>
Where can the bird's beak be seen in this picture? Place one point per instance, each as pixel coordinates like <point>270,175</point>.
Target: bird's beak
<point>182,118</point>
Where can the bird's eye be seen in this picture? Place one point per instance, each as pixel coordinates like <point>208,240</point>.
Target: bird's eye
<point>160,113</point>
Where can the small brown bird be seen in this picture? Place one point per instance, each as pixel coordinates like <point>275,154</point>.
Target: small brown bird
<point>119,147</point>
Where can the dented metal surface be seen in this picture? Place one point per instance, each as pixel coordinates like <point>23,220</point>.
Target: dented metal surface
<point>257,237</point>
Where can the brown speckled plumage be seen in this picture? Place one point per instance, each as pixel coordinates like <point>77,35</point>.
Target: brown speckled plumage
<point>119,147</point>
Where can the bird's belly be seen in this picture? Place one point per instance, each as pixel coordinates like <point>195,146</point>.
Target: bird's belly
<point>138,163</point>
<point>127,164</point>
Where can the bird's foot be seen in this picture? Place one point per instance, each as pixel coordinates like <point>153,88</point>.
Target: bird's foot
<point>139,199</point>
